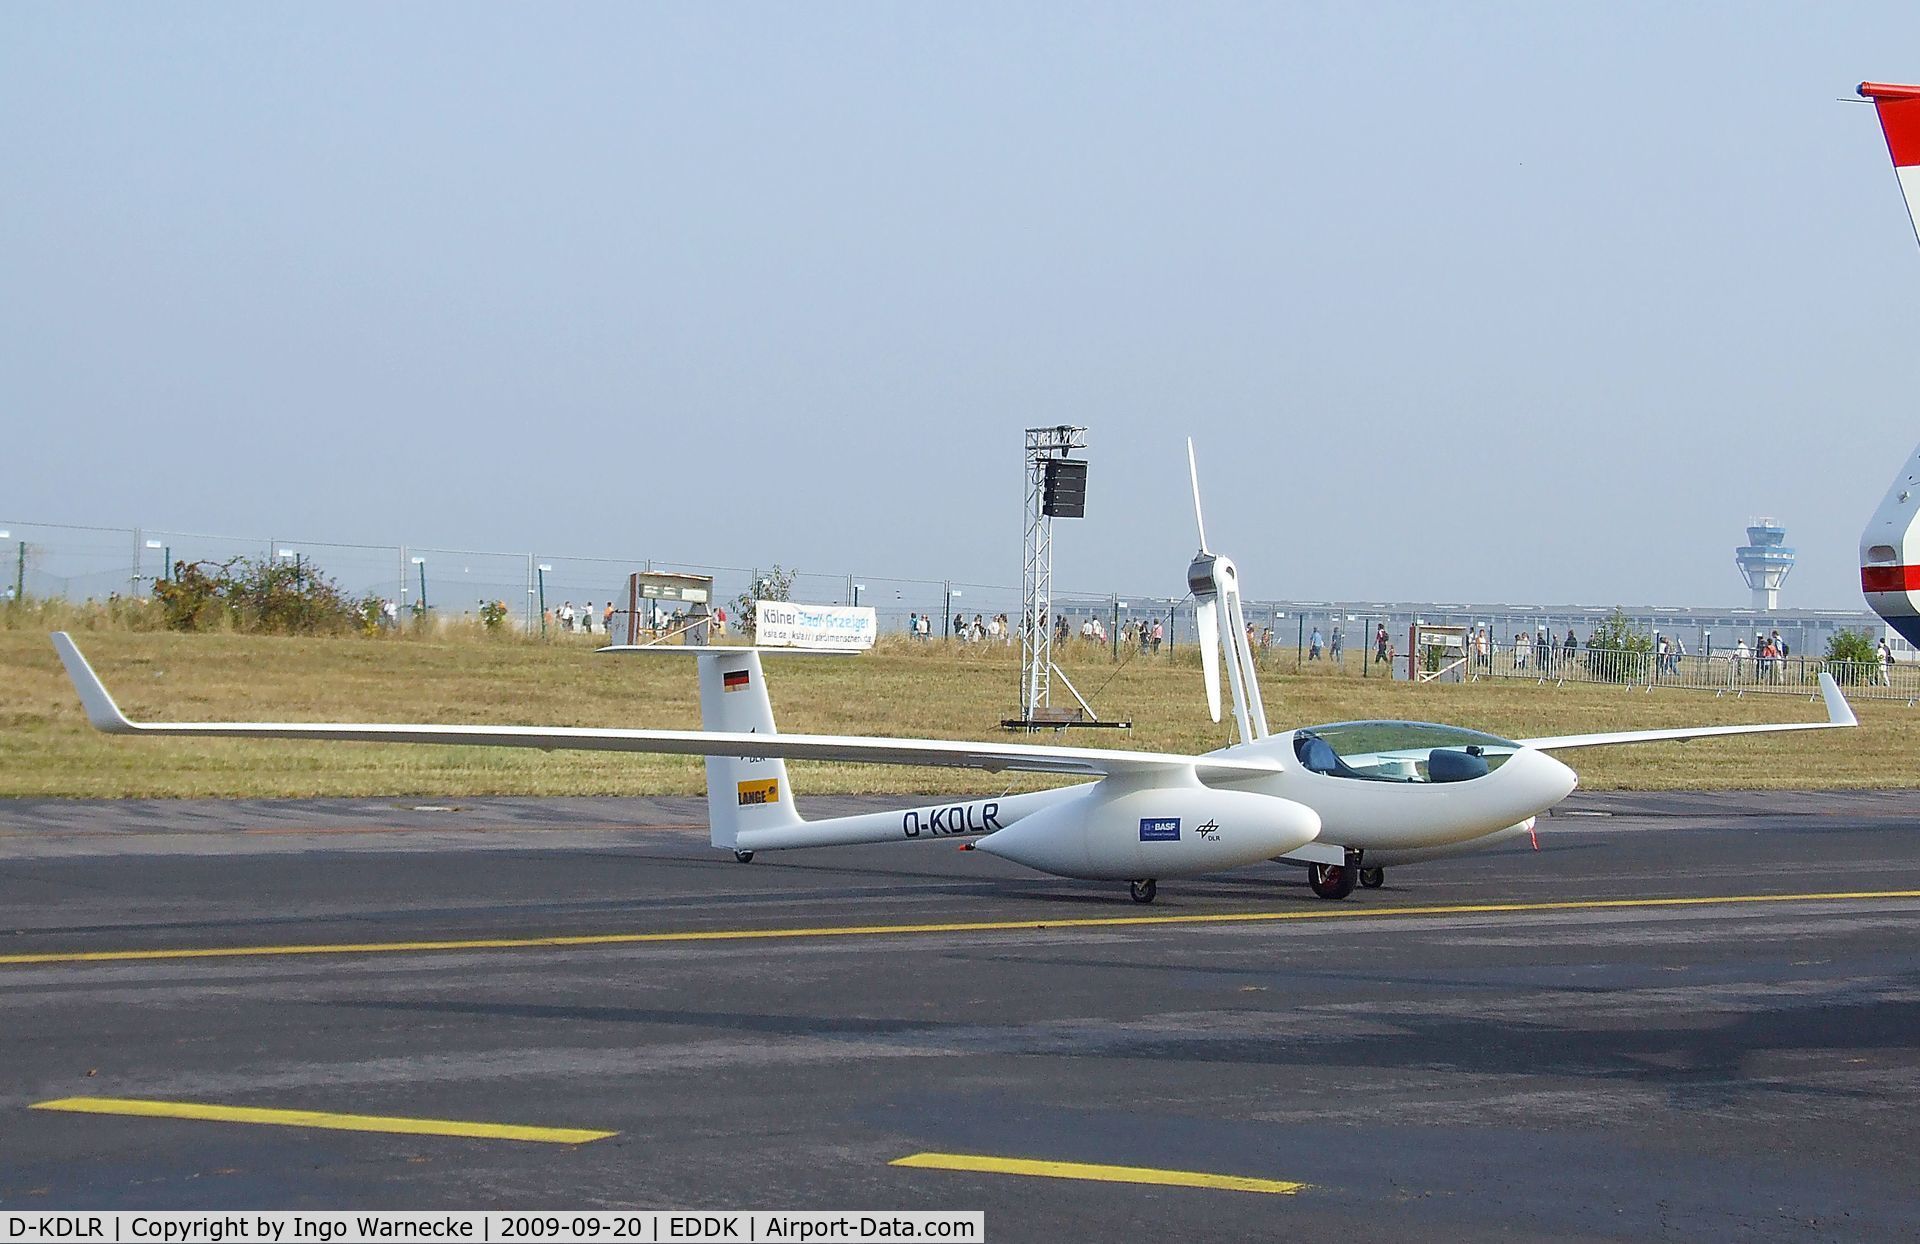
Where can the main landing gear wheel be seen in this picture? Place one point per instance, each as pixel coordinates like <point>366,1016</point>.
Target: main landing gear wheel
<point>1331,880</point>
<point>745,857</point>
<point>1373,878</point>
<point>1143,891</point>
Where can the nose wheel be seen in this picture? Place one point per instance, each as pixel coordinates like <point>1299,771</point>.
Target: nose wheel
<point>744,857</point>
<point>1143,891</point>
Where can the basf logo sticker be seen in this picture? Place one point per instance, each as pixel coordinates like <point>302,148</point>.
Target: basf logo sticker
<point>1159,829</point>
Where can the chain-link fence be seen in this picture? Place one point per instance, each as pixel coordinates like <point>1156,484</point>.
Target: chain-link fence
<point>78,563</point>
<point>1333,638</point>
<point>1739,670</point>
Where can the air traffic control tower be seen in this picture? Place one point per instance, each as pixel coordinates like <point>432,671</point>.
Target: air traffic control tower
<point>1765,561</point>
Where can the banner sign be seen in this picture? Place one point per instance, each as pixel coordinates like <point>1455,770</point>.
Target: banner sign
<point>785,624</point>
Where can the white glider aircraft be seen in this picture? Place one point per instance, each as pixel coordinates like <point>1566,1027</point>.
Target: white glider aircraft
<point>1346,800</point>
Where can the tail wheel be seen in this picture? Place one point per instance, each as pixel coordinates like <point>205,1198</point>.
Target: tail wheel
<point>1143,891</point>
<point>745,857</point>
<point>1373,878</point>
<point>1332,881</point>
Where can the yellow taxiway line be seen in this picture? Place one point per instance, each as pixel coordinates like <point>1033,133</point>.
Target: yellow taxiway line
<point>1329,912</point>
<point>1101,1174</point>
<point>319,1118</point>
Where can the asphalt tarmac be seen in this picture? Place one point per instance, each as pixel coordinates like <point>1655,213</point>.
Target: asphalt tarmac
<point>1525,1045</point>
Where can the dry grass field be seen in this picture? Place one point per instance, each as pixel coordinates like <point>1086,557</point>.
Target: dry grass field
<point>47,749</point>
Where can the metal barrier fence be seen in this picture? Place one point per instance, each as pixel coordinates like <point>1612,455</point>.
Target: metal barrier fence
<point>79,563</point>
<point>1738,671</point>
<point>72,562</point>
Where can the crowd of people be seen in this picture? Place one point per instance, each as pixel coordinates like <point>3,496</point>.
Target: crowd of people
<point>567,619</point>
<point>571,621</point>
<point>979,631</point>
<point>1766,659</point>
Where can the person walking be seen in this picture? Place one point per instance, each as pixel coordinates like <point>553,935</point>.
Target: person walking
<point>1337,647</point>
<point>1380,645</point>
<point>1313,644</point>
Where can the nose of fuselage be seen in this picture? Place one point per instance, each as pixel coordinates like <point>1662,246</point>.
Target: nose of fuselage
<point>1547,779</point>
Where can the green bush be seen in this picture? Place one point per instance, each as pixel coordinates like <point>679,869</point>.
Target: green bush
<point>776,584</point>
<point>1853,657</point>
<point>263,597</point>
<point>1617,651</point>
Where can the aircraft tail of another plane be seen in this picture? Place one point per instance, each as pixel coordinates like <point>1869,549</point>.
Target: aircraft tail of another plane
<point>1899,109</point>
<point>1890,545</point>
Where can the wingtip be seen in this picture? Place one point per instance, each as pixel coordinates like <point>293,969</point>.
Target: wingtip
<point>102,713</point>
<point>1839,712</point>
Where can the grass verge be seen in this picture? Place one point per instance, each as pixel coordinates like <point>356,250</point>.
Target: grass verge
<point>927,690</point>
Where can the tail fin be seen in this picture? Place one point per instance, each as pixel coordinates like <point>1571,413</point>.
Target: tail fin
<point>1899,109</point>
<point>741,793</point>
<point>1890,546</point>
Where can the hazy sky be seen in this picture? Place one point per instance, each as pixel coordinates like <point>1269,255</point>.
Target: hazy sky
<point>1530,302</point>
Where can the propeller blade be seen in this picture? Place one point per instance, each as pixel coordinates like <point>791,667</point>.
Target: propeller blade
<point>1206,613</point>
<point>1199,520</point>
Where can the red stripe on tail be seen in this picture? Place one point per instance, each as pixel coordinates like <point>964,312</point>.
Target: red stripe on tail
<point>1889,579</point>
<point>1899,109</point>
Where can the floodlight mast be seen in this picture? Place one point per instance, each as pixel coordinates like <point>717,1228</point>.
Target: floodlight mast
<point>1036,632</point>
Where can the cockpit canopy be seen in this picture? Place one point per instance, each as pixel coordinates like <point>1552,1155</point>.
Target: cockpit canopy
<point>1400,751</point>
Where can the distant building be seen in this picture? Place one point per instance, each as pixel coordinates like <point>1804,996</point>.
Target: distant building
<point>1765,561</point>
